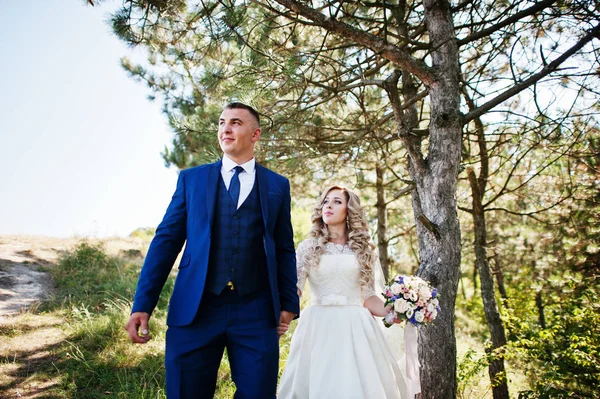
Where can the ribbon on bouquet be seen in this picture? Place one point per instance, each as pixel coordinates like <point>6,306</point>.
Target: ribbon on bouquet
<point>412,360</point>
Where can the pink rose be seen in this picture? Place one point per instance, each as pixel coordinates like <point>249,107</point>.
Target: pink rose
<point>396,288</point>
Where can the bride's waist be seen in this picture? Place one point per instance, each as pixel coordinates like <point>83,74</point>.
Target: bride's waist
<point>336,300</point>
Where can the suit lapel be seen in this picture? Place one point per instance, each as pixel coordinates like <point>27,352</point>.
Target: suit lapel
<point>214,173</point>
<point>263,192</point>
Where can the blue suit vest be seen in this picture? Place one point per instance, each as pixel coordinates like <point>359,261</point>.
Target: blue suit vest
<point>237,250</point>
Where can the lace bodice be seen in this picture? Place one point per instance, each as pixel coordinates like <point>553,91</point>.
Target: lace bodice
<point>335,281</point>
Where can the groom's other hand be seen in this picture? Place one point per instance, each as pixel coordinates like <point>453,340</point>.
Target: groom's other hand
<point>137,327</point>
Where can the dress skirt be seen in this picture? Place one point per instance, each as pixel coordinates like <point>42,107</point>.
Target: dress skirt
<point>340,352</point>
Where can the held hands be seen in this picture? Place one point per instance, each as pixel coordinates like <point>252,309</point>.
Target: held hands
<point>282,328</point>
<point>138,320</point>
<point>285,318</point>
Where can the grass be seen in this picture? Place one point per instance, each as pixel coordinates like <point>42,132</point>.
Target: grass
<point>75,345</point>
<point>94,357</point>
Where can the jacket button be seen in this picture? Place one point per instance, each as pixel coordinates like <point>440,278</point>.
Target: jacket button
<point>235,232</point>
<point>235,217</point>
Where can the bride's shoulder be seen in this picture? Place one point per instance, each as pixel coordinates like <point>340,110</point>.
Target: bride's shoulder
<point>307,244</point>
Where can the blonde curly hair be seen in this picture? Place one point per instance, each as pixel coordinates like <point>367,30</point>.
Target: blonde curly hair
<point>359,239</point>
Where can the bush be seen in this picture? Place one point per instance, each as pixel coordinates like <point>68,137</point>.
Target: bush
<point>562,359</point>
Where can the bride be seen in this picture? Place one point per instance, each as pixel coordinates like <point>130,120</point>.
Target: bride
<point>338,349</point>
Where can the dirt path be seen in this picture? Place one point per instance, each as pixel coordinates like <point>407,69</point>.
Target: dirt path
<point>27,339</point>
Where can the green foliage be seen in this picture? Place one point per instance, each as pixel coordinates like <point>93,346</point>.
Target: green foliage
<point>562,359</point>
<point>88,274</point>
<point>469,368</point>
<point>301,220</point>
<point>144,233</point>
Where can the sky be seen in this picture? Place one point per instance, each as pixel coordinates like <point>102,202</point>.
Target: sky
<point>80,143</point>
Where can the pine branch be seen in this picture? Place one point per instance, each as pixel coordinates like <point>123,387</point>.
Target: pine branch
<point>387,50</point>
<point>510,20</point>
<point>548,69</point>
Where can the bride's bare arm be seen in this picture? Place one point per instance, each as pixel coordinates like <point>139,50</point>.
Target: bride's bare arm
<point>376,307</point>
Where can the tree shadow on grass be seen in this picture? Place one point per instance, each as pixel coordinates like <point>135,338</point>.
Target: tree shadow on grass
<point>79,367</point>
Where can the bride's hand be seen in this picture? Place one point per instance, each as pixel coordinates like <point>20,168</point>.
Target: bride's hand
<point>282,328</point>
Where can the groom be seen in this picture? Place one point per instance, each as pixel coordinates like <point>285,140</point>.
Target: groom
<point>237,276</point>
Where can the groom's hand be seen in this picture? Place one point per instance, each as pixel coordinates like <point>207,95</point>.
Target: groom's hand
<point>138,321</point>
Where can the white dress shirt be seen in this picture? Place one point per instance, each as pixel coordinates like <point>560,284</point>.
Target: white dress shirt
<point>246,176</point>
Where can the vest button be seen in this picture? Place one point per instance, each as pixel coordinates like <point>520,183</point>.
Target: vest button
<point>233,270</point>
<point>235,217</point>
<point>235,251</point>
<point>235,232</point>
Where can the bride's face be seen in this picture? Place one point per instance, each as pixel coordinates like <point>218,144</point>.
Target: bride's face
<point>335,208</point>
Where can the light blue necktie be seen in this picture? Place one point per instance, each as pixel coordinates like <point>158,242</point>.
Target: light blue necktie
<point>234,185</point>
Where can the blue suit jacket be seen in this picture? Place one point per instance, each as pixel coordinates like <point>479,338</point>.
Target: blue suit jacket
<point>189,217</point>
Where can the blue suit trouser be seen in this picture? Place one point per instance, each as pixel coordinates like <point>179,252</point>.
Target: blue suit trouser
<point>243,325</point>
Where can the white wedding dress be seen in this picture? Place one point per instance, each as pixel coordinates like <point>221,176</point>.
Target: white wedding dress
<point>338,350</point>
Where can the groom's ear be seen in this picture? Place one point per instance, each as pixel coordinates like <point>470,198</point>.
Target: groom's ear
<point>256,134</point>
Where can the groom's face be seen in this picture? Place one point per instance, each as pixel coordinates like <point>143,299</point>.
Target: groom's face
<point>238,132</point>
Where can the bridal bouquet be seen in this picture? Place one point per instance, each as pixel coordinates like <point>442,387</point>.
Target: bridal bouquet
<point>413,299</point>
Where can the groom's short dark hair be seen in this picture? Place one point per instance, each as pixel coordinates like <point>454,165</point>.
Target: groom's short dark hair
<point>238,105</point>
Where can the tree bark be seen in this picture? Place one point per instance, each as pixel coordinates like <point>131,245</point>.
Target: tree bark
<point>499,277</point>
<point>434,200</point>
<point>382,243</point>
<point>539,303</point>
<point>498,336</point>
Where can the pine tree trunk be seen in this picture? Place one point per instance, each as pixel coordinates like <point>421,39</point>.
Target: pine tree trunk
<point>434,204</point>
<point>382,243</point>
<point>498,336</point>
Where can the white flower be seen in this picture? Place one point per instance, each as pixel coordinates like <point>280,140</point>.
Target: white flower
<point>401,306</point>
<point>414,296</point>
<point>419,316</point>
<point>435,302</point>
<point>430,308</point>
<point>409,313</point>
